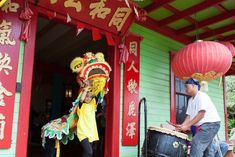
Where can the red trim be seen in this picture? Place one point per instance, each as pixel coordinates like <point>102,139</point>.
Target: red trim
<point>207,22</point>
<point>153,25</point>
<point>189,11</point>
<point>157,4</point>
<point>172,92</point>
<point>62,19</point>
<point>217,31</point>
<point>225,110</point>
<point>25,98</point>
<point>113,109</point>
<point>228,38</point>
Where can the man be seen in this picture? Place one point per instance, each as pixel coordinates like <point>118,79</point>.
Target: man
<point>202,113</point>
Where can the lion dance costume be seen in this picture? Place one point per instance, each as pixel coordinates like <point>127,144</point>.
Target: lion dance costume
<point>92,70</point>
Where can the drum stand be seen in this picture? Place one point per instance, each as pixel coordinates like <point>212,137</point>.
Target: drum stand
<point>145,125</point>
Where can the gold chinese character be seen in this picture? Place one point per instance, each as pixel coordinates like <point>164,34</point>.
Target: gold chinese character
<point>130,129</point>
<point>98,9</point>
<point>53,1</point>
<point>132,85</point>
<point>4,63</point>
<point>3,91</point>
<point>133,48</point>
<point>2,126</point>
<point>131,111</point>
<point>72,3</point>
<point>132,66</point>
<point>11,7</point>
<point>5,31</point>
<point>120,17</point>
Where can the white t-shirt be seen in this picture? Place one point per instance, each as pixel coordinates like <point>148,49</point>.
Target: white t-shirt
<point>202,102</point>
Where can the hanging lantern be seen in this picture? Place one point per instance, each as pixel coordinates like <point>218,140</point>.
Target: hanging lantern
<point>202,60</point>
<point>229,46</point>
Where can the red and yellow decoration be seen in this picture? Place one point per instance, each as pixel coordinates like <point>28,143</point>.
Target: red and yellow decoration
<point>202,60</point>
<point>92,70</point>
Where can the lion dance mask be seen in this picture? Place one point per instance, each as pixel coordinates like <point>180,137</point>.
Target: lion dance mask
<point>93,73</point>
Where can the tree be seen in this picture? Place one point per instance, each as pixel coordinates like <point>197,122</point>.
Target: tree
<point>230,90</point>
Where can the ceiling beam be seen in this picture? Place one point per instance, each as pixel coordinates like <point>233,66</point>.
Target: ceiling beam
<point>155,5</point>
<point>152,25</point>
<point>207,22</point>
<point>227,38</point>
<point>222,9</point>
<point>217,31</point>
<point>189,18</point>
<point>189,11</point>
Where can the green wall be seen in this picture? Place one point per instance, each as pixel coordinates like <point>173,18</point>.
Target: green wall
<point>155,83</point>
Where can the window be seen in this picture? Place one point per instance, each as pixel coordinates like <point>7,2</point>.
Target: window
<point>181,100</point>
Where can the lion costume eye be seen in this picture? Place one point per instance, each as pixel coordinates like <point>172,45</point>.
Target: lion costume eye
<point>77,64</point>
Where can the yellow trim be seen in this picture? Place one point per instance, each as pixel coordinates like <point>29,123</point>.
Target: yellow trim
<point>2,2</point>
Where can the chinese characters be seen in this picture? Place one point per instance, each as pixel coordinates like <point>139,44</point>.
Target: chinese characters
<point>2,126</point>
<point>4,63</point>
<point>10,7</point>
<point>5,31</point>
<point>3,92</point>
<point>98,9</point>
<point>130,129</point>
<point>120,17</point>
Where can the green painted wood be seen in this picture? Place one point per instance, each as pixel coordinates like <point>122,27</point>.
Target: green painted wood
<point>206,13</point>
<point>160,14</point>
<point>143,3</point>
<point>228,4</point>
<point>221,24</point>
<point>11,152</point>
<point>182,4</point>
<point>155,85</point>
<point>179,24</point>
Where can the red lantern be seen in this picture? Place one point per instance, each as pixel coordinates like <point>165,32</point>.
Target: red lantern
<point>229,46</point>
<point>205,60</point>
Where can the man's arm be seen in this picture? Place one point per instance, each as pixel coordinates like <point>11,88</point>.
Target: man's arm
<point>186,121</point>
<point>197,118</point>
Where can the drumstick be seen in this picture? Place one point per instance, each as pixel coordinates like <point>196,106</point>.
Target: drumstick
<point>175,125</point>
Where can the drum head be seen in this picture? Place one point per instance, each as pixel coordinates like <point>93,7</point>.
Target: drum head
<point>170,132</point>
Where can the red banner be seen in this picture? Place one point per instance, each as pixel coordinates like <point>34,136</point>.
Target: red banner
<point>131,92</point>
<point>10,27</point>
<point>114,16</point>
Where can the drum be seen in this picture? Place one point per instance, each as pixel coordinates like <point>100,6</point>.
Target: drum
<point>163,142</point>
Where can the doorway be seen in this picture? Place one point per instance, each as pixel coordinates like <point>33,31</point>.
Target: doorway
<point>54,86</point>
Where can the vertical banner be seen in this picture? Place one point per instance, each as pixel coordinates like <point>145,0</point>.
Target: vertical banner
<point>10,28</point>
<point>131,92</point>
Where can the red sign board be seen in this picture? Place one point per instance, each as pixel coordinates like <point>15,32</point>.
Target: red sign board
<point>114,16</point>
<point>131,93</point>
<point>10,26</point>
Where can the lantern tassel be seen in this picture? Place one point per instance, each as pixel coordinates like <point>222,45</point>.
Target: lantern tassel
<point>204,86</point>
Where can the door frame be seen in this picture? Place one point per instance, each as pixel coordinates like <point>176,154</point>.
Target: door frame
<point>112,111</point>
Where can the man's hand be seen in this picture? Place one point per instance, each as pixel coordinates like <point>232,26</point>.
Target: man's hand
<point>182,128</point>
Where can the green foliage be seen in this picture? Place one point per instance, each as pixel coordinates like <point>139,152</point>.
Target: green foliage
<point>230,90</point>
<point>231,123</point>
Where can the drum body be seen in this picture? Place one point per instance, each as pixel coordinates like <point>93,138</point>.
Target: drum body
<point>164,143</point>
